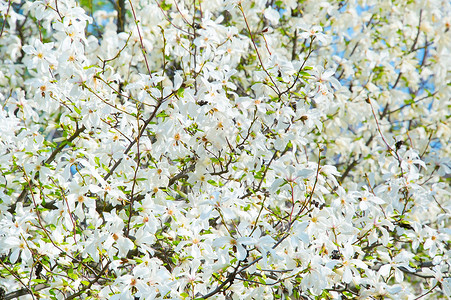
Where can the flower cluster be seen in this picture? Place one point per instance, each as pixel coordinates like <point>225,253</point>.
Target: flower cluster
<point>225,149</point>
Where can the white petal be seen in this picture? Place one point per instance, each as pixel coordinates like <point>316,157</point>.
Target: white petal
<point>385,270</point>
<point>272,15</point>
<point>242,253</point>
<point>347,275</point>
<point>177,81</point>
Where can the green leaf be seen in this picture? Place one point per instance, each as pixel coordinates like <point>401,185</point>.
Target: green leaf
<point>39,280</point>
<point>300,95</point>
<point>214,183</point>
<point>72,275</point>
<point>409,102</point>
<point>84,282</point>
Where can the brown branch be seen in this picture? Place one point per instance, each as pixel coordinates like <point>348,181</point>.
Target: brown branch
<point>141,132</point>
<point>52,158</point>
<point>229,281</point>
<point>23,292</point>
<point>300,69</point>
<point>418,32</point>
<point>354,163</point>
<point>295,42</point>
<point>414,102</point>
<point>6,16</point>
<point>143,50</point>
<point>120,8</point>
<point>275,88</point>
<point>98,276</point>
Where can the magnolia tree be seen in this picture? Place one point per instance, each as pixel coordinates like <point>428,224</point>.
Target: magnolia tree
<point>225,149</point>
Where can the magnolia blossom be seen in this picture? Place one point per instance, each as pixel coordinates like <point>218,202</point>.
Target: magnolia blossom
<point>314,32</point>
<point>225,149</point>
